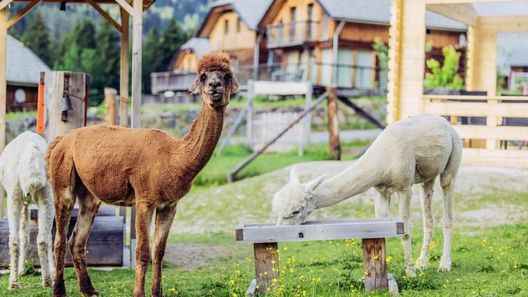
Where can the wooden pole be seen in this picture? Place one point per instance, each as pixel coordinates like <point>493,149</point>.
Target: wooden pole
<point>137,32</point>
<point>40,104</point>
<point>110,105</point>
<point>123,80</point>
<point>333,125</point>
<point>375,265</point>
<point>60,84</point>
<point>3,92</point>
<point>266,265</point>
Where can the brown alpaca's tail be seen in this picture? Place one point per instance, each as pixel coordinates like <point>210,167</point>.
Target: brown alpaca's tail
<point>51,146</point>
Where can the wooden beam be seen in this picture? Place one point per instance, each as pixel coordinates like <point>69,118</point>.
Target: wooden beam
<point>5,3</point>
<point>395,53</point>
<point>126,6</point>
<point>17,17</point>
<point>124,67</point>
<point>375,266</point>
<point>3,89</point>
<point>137,47</point>
<point>470,1</point>
<point>333,125</point>
<point>266,265</point>
<point>105,15</point>
<point>464,13</point>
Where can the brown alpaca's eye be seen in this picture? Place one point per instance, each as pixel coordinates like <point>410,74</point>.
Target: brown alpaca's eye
<point>203,77</point>
<point>227,77</point>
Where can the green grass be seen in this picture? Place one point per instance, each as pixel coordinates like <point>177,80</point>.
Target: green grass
<point>216,170</point>
<point>12,116</point>
<point>486,262</point>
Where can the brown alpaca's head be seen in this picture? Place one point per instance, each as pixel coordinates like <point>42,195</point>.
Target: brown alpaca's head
<point>215,81</point>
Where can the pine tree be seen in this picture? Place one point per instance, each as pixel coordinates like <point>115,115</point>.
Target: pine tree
<point>37,38</point>
<point>172,39</point>
<point>108,52</point>
<point>152,52</point>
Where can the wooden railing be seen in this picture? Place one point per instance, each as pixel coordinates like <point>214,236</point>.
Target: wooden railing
<point>294,33</point>
<point>494,128</point>
<point>171,81</point>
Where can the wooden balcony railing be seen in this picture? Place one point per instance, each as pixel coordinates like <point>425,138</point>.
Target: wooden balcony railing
<point>294,33</point>
<point>494,128</point>
<point>171,81</point>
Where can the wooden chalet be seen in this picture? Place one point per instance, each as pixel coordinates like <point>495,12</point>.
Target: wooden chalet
<point>23,72</point>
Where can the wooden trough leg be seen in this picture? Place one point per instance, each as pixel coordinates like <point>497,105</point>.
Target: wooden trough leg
<point>266,266</point>
<point>375,265</point>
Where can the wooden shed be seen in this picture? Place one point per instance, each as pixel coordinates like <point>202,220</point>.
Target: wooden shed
<point>494,127</point>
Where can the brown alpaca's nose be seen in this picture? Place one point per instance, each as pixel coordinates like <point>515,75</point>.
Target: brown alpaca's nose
<point>215,84</point>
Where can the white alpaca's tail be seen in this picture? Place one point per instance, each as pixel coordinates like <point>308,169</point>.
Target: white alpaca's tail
<point>31,169</point>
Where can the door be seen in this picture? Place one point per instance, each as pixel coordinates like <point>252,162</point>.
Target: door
<point>364,70</point>
<point>344,68</point>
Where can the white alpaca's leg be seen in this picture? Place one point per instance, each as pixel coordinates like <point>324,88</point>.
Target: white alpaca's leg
<point>448,218</point>
<point>23,237</point>
<point>14,205</point>
<point>45,222</point>
<point>381,204</point>
<point>405,205</point>
<point>428,224</point>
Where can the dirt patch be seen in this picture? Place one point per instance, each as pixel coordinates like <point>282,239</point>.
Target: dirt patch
<point>191,256</point>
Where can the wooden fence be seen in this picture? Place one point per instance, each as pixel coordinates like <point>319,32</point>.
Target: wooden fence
<point>494,128</point>
<point>267,125</point>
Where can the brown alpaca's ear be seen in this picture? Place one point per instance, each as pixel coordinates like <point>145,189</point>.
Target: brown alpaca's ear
<point>234,84</point>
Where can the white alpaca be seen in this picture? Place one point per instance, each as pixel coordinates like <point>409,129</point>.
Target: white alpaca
<point>23,176</point>
<point>413,151</point>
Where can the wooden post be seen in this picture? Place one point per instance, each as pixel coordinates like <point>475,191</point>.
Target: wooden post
<point>123,79</point>
<point>40,104</point>
<point>3,92</point>
<point>266,265</point>
<point>110,105</point>
<point>137,31</point>
<point>375,265</point>
<point>333,125</point>
<point>59,84</point>
<point>249,116</point>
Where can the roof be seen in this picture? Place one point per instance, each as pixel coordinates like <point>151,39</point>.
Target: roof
<point>200,46</point>
<point>373,12</point>
<point>249,11</point>
<point>23,65</point>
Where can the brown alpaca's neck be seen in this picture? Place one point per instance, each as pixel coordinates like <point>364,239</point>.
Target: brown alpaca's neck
<point>200,142</point>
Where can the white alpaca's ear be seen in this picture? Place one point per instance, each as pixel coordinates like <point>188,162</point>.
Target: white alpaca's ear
<point>294,177</point>
<point>310,186</point>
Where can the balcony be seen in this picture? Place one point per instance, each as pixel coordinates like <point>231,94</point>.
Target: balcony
<point>292,34</point>
<point>171,81</point>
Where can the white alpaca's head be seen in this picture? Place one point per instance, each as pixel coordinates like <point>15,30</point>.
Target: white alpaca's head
<point>294,202</point>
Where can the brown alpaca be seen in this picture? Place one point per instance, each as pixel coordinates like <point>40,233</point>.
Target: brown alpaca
<point>144,168</point>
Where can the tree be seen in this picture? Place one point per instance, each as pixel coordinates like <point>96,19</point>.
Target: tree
<point>82,35</point>
<point>172,39</point>
<point>382,51</point>
<point>444,76</point>
<point>108,52</point>
<point>151,58</point>
<point>37,38</point>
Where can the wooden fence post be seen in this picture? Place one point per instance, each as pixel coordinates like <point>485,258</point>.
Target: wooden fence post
<point>110,100</point>
<point>266,265</point>
<point>375,265</point>
<point>333,125</point>
<point>59,85</point>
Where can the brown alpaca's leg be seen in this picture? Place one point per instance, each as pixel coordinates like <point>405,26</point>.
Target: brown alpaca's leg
<point>164,218</point>
<point>63,205</point>
<point>143,218</point>
<point>88,206</point>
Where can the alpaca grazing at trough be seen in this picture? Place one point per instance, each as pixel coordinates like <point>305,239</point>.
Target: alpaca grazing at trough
<point>413,151</point>
<point>145,168</point>
<point>23,176</point>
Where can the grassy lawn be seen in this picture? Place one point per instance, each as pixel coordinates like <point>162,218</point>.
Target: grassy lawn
<point>487,262</point>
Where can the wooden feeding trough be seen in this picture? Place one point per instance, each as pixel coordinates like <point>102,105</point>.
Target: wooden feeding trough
<point>265,239</point>
<point>104,248</point>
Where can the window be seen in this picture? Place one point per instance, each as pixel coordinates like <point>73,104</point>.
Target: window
<point>311,17</point>
<point>238,25</point>
<point>20,96</point>
<point>226,27</point>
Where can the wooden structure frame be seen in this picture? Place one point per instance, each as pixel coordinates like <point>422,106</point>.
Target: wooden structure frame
<point>406,74</point>
<point>265,238</point>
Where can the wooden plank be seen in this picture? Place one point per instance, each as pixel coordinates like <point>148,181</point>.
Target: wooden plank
<point>474,97</point>
<point>124,5</point>
<point>492,132</point>
<point>3,87</point>
<point>104,14</point>
<point>334,146</point>
<point>464,13</point>
<point>17,17</point>
<point>266,265</point>
<point>110,105</point>
<point>468,1</point>
<point>474,109</point>
<point>281,88</point>
<point>495,158</point>
<point>137,48</point>
<point>320,230</point>
<point>374,263</point>
<point>4,4</point>
<point>123,71</point>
